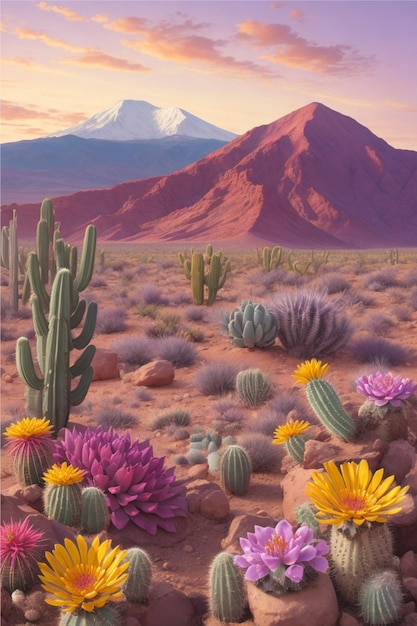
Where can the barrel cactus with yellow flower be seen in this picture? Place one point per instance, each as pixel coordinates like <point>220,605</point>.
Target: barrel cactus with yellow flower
<point>62,497</point>
<point>324,400</point>
<point>356,503</point>
<point>31,446</point>
<point>291,435</point>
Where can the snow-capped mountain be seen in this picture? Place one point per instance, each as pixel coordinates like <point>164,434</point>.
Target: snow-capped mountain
<point>137,119</point>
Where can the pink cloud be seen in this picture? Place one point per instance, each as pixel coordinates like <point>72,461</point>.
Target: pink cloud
<point>294,51</point>
<point>37,35</point>
<point>69,14</point>
<point>11,112</point>
<point>100,17</point>
<point>95,58</point>
<point>16,61</point>
<point>297,15</point>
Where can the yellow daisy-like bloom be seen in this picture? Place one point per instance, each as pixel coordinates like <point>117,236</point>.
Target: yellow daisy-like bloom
<point>29,427</point>
<point>354,494</point>
<point>63,474</point>
<point>310,370</point>
<point>290,429</point>
<point>82,576</point>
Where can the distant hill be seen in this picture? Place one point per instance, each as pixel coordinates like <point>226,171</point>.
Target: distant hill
<point>314,178</point>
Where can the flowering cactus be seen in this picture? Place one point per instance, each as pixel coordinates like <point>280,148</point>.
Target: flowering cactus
<point>290,434</point>
<point>279,558</point>
<point>137,486</point>
<point>20,549</point>
<point>30,444</point>
<point>383,389</point>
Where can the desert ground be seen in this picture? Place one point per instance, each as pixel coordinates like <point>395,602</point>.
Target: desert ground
<point>142,292</point>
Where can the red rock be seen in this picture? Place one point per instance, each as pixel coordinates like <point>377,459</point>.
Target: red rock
<point>105,364</point>
<point>410,585</point>
<point>169,607</point>
<point>293,491</point>
<point>154,374</point>
<point>408,564</point>
<point>208,499</point>
<point>240,526</point>
<point>398,460</point>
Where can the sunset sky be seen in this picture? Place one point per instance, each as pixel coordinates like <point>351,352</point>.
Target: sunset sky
<point>235,64</point>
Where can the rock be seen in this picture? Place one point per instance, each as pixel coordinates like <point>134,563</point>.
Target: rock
<point>208,499</point>
<point>293,491</point>
<point>410,619</point>
<point>154,374</point>
<point>33,493</point>
<point>410,584</point>
<point>6,603</point>
<point>318,452</point>
<point>408,565</point>
<point>398,460</point>
<point>169,607</point>
<point>200,470</point>
<point>316,604</point>
<point>106,365</point>
<point>348,620</point>
<point>240,526</point>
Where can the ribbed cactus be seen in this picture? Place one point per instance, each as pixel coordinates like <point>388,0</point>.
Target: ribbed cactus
<point>235,470</point>
<point>326,404</point>
<point>94,511</point>
<point>251,325</point>
<point>271,258</point>
<point>63,503</point>
<point>205,271</point>
<point>10,260</point>
<point>305,514</point>
<point>226,589</point>
<point>252,387</point>
<point>104,616</point>
<point>137,585</point>
<point>381,598</point>
<point>388,423</point>
<point>295,446</point>
<point>355,554</point>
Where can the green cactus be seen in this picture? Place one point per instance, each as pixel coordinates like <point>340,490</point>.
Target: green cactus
<point>356,552</point>
<point>326,404</point>
<point>388,423</point>
<point>252,326</point>
<point>252,387</point>
<point>10,260</point>
<point>137,585</point>
<point>63,503</point>
<point>29,468</point>
<point>381,598</point>
<point>271,258</point>
<point>295,446</point>
<point>235,470</point>
<point>94,511</point>
<point>305,513</point>
<point>226,589</point>
<point>104,616</point>
<point>207,273</point>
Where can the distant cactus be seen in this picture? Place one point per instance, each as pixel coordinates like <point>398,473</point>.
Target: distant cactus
<point>252,387</point>
<point>10,260</point>
<point>252,326</point>
<point>205,271</point>
<point>235,470</point>
<point>381,598</point>
<point>94,511</point>
<point>136,587</point>
<point>271,258</point>
<point>226,589</point>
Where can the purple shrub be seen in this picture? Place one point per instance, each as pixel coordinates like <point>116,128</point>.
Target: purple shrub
<point>152,294</point>
<point>111,321</point>
<point>134,350</point>
<point>378,322</point>
<point>195,314</point>
<point>334,282</point>
<point>412,299</point>
<point>216,379</point>
<point>229,419</point>
<point>264,455</point>
<point>113,417</point>
<point>179,351</point>
<point>370,349</point>
<point>382,279</point>
<point>138,488</point>
<point>402,313</point>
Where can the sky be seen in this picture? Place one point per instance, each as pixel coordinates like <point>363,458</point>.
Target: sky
<point>237,64</point>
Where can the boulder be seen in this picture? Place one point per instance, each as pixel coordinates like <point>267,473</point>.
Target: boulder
<point>156,373</point>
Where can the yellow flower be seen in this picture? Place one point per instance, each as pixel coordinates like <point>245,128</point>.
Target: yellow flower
<point>28,427</point>
<point>310,370</point>
<point>353,493</point>
<point>290,429</point>
<point>83,577</point>
<point>63,474</point>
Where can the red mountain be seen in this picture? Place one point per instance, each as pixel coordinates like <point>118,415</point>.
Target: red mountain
<point>314,178</point>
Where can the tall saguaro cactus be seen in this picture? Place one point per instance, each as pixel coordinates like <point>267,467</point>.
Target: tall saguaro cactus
<point>207,270</point>
<point>10,260</point>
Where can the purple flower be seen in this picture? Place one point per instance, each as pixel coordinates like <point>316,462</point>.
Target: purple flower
<point>270,549</point>
<point>385,388</point>
<point>137,486</point>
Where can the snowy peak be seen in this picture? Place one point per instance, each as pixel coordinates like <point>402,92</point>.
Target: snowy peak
<point>137,119</point>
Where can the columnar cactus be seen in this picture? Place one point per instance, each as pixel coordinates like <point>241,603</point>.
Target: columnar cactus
<point>381,598</point>
<point>208,270</point>
<point>136,587</point>
<point>226,589</point>
<point>252,326</point>
<point>271,258</point>
<point>252,387</point>
<point>10,260</point>
<point>95,515</point>
<point>235,470</point>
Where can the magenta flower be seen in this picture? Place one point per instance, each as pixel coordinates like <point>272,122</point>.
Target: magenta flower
<point>382,389</point>
<point>137,486</point>
<point>20,550</point>
<point>280,552</point>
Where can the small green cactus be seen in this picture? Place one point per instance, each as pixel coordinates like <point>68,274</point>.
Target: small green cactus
<point>252,387</point>
<point>295,446</point>
<point>235,470</point>
<point>271,258</point>
<point>326,404</point>
<point>252,326</point>
<point>306,514</point>
<point>136,587</point>
<point>381,598</point>
<point>63,503</point>
<point>94,511</point>
<point>226,589</point>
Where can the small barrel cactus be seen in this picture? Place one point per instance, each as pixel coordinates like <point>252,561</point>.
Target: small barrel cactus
<point>252,387</point>
<point>136,587</point>
<point>381,598</point>
<point>94,511</point>
<point>252,326</point>
<point>235,470</point>
<point>104,616</point>
<point>226,589</point>
<point>62,497</point>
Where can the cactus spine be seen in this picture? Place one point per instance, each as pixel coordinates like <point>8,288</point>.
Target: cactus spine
<point>29,468</point>
<point>136,587</point>
<point>94,511</point>
<point>104,616</point>
<point>63,503</point>
<point>252,325</point>
<point>252,387</point>
<point>235,470</point>
<point>295,446</point>
<point>226,589</point>
<point>305,514</point>
<point>381,598</point>
<point>328,408</point>
<point>205,271</point>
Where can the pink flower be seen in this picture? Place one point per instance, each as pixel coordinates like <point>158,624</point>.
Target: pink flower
<point>385,388</point>
<point>19,552</point>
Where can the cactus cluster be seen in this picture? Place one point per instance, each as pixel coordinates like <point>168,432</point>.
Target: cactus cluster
<point>271,258</point>
<point>207,273</point>
<point>252,325</point>
<point>14,262</point>
<point>207,447</point>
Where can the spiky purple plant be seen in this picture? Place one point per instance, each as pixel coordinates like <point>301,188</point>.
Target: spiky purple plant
<point>137,486</point>
<point>20,550</point>
<point>382,389</point>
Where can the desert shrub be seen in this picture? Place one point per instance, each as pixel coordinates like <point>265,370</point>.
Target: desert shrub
<point>334,282</point>
<point>180,352</point>
<point>412,299</point>
<point>264,455</point>
<point>178,433</point>
<point>195,314</point>
<point>267,421</point>
<point>148,310</point>
<point>268,280</point>
<point>216,379</point>
<point>378,322</point>
<point>152,294</point>
<point>195,335</point>
<point>402,312</point>
<point>179,417</point>
<point>409,278</point>
<point>166,325</point>
<point>287,401</point>
<point>97,282</point>
<point>382,279</point>
<point>134,350</point>
<point>181,297</point>
<point>398,295</point>
<point>113,417</point>
<point>309,324</point>
<point>370,349</point>
<point>143,394</point>
<point>111,321</point>
<point>359,297</point>
<point>229,417</point>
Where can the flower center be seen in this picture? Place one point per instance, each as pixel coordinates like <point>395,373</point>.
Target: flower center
<point>83,579</point>
<point>276,546</point>
<point>352,501</point>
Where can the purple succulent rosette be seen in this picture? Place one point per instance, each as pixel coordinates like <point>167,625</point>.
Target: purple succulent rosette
<point>382,389</point>
<point>138,488</point>
<point>281,552</point>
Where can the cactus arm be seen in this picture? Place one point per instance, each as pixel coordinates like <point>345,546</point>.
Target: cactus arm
<point>42,249</point>
<point>78,314</point>
<point>328,408</point>
<point>14,265</point>
<point>83,361</point>
<point>78,394</point>
<point>40,322</point>
<point>197,278</point>
<point>86,268</point>
<point>5,240</point>
<point>25,366</point>
<point>213,278</point>
<point>87,332</point>
<point>36,283</point>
